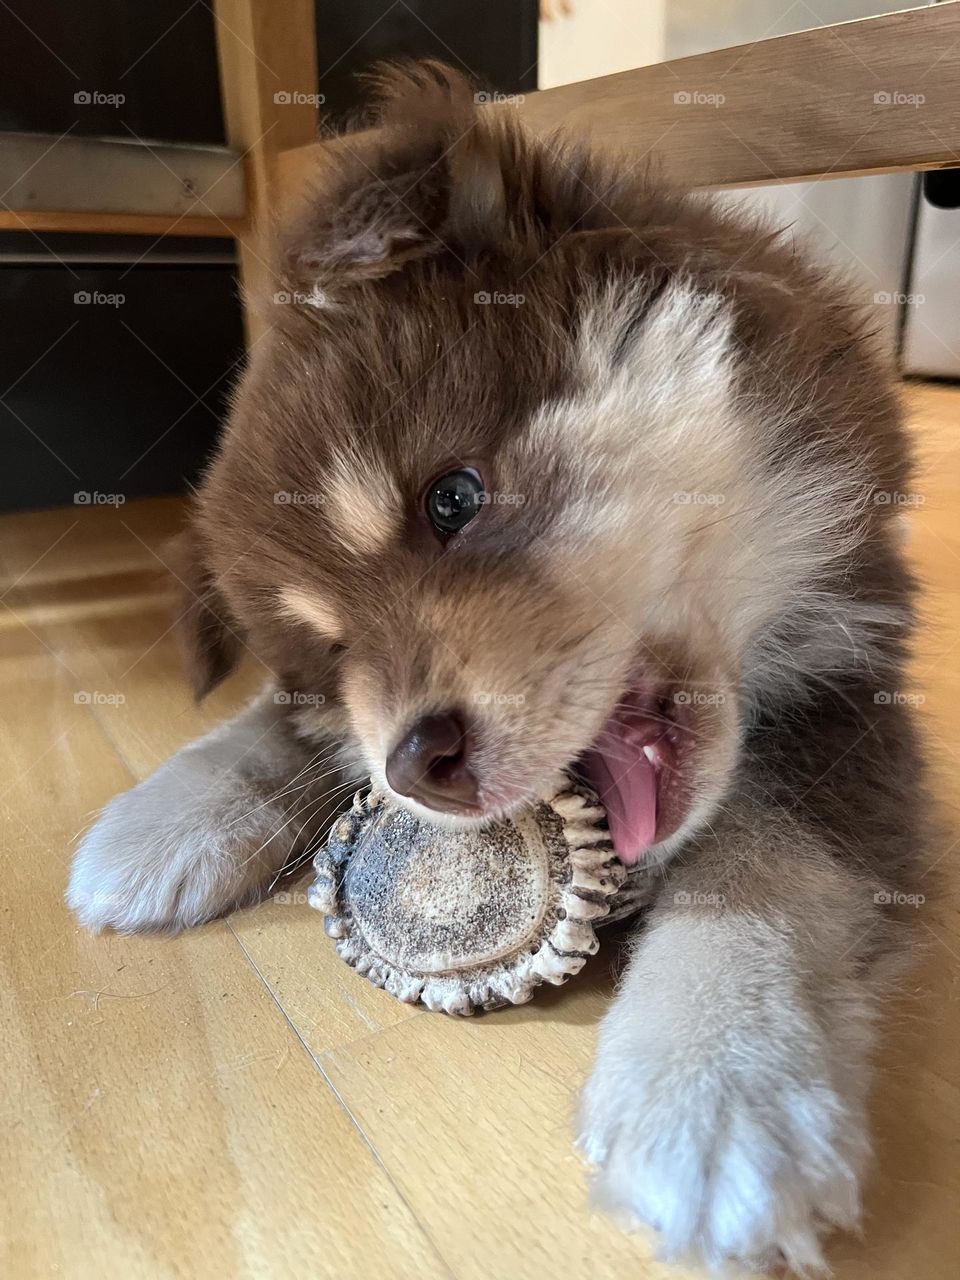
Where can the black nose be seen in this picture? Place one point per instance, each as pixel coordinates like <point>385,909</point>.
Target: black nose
<point>431,763</point>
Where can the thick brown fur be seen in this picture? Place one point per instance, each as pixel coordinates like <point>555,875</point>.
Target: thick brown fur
<point>401,365</point>
<point>697,445</point>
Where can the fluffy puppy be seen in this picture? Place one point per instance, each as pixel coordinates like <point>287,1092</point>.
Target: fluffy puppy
<point>541,466</point>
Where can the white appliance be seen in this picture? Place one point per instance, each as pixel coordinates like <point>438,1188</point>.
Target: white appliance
<point>899,248</point>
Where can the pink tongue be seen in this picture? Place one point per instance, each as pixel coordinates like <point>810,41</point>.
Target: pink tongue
<point>626,783</point>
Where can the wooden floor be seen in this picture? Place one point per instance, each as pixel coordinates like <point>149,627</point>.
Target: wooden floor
<point>236,1102</point>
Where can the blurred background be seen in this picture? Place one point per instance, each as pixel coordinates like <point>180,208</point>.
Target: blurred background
<point>119,350</point>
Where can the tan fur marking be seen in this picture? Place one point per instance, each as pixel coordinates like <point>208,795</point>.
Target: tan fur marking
<point>309,606</point>
<point>362,503</point>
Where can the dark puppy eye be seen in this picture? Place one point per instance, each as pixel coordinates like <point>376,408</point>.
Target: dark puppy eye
<point>454,499</point>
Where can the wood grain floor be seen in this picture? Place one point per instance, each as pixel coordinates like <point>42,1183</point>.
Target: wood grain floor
<point>236,1102</point>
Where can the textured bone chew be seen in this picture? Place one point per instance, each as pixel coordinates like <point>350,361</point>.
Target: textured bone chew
<point>471,919</point>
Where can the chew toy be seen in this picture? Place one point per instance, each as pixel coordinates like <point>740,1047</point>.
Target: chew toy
<point>472,919</point>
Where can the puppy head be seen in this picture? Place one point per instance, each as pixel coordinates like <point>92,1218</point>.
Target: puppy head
<point>539,466</point>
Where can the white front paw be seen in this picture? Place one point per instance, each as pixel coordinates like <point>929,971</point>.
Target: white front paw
<point>733,1146</point>
<point>175,851</point>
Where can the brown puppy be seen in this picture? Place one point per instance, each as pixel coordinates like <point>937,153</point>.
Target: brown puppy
<point>540,466</point>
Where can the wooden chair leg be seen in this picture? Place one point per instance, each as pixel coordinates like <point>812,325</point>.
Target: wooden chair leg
<point>268,75</point>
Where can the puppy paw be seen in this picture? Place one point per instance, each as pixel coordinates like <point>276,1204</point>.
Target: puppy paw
<point>725,1173</point>
<point>186,845</point>
<point>739,1138</point>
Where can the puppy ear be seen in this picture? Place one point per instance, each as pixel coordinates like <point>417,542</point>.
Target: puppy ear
<point>425,176</point>
<point>206,633</point>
